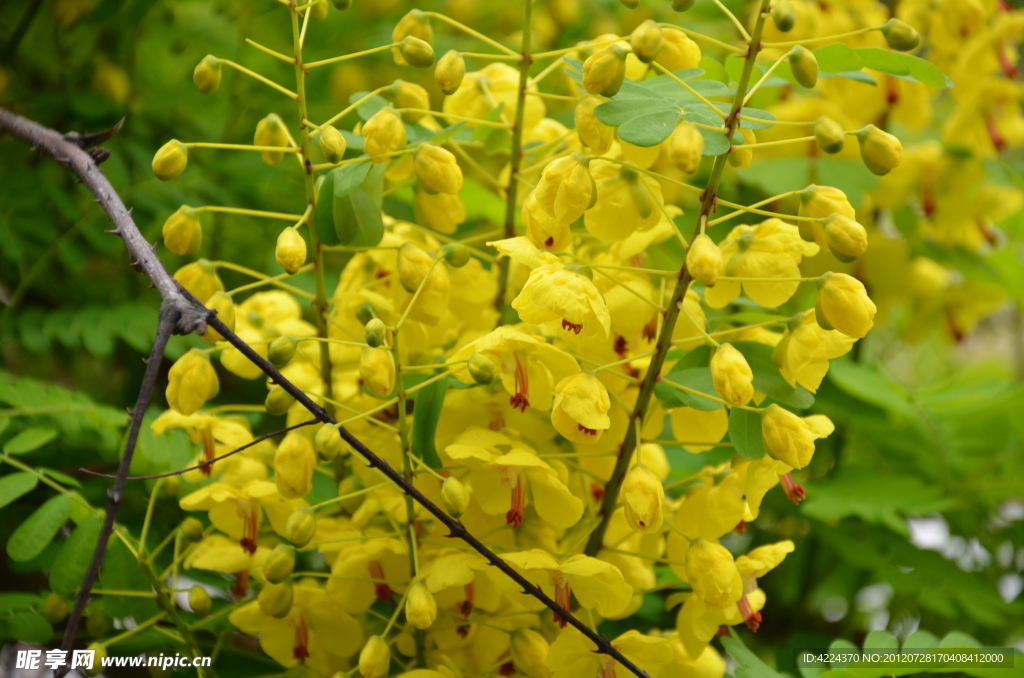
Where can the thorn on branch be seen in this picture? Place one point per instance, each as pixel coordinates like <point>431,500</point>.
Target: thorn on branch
<point>92,139</point>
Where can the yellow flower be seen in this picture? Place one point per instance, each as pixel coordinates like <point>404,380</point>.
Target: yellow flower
<point>332,143</point>
<point>375,659</point>
<point>218,436</point>
<point>238,512</point>
<point>805,349</point>
<point>790,438</point>
<point>700,430</point>
<point>558,296</point>
<point>270,131</point>
<point>740,156</point>
<point>821,202</point>
<point>754,565</point>
<point>383,133</point>
<point>191,382</point>
<point>182,232</point>
<point>843,305</point>
<point>420,606</point>
<point>314,633</point>
<point>528,366</point>
<point>642,497</point>
<point>170,161</point>
<point>688,333</point>
<point>449,71</point>
<point>573,655</point>
<point>290,252</point>
<point>712,573</point>
<point>367,572</point>
<point>707,664</point>
<point>829,134</point>
<point>437,169</point>
<point>529,651</point>
<point>377,371</point>
<point>710,509</point>
<point>772,249</point>
<point>880,151</point>
<point>580,410</point>
<point>627,201</point>
<point>592,132</point>
<point>294,462</point>
<point>732,376</point>
<point>200,279</point>
<point>442,212</point>
<point>604,70</point>
<point>846,238</point>
<point>596,584</point>
<point>413,24</point>
<point>542,228</point>
<point>565,189</point>
<point>686,147</point>
<point>501,471</point>
<point>677,51</point>
<point>494,84</point>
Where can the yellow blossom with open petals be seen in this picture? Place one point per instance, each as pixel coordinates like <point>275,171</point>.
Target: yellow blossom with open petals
<point>561,297</point>
<point>580,409</point>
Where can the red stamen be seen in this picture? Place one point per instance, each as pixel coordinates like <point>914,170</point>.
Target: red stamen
<point>587,431</point>
<point>573,327</point>
<point>1009,70</point>
<point>741,527</point>
<point>563,596</point>
<point>651,329</point>
<point>597,491</point>
<point>241,585</point>
<point>380,589</point>
<point>621,346</point>
<point>301,649</point>
<point>549,242</point>
<point>753,619</point>
<point>795,492</point>
<point>250,514</point>
<point>514,517</point>
<point>723,630</point>
<point>507,669</point>
<point>209,452</point>
<point>998,140</point>
<point>465,608</point>
<point>521,399</point>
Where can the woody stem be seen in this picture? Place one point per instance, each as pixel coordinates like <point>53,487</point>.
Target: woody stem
<point>517,158</point>
<point>664,343</point>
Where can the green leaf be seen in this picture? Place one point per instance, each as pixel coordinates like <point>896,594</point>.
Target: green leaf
<point>4,423</point>
<point>748,318</point>
<point>713,70</point>
<point>62,478</point>
<point>367,109</point>
<point>39,529</point>
<point>68,570</point>
<point>29,439</point>
<point>856,76</point>
<point>749,665</point>
<point>745,433</point>
<point>120,572</point>
<point>768,379</point>
<point>348,177</point>
<point>868,384</point>
<point>715,143</point>
<point>958,639</point>
<point>667,87</point>
<point>324,221</point>
<point>837,58</point>
<point>883,60</point>
<point>426,415</point>
<point>14,602</point>
<point>28,627</point>
<point>16,485</point>
<point>921,640</point>
<point>696,378</point>
<point>651,129</point>
<point>620,111</point>
<point>357,220</point>
<point>925,71</point>
<point>881,639</point>
<point>498,141</point>
<point>760,115</point>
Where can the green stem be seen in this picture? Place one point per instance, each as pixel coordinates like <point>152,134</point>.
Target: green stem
<point>320,302</point>
<point>611,492</point>
<point>517,157</point>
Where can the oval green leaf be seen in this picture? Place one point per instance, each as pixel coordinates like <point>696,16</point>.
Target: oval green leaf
<point>68,570</point>
<point>29,627</point>
<point>745,433</point>
<point>16,485</point>
<point>649,130</point>
<point>28,440</point>
<point>39,529</point>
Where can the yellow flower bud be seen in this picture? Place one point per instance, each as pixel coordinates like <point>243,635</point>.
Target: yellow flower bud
<point>278,401</point>
<point>200,279</point>
<point>413,265</point>
<point>410,95</point>
<point>332,143</point>
<point>731,375</point>
<point>327,442</point>
<point>821,202</point>
<point>829,135</point>
<point>375,332</point>
<point>420,606</point>
<point>529,652</point>
<point>844,305</point>
<point>383,133</point>
<point>55,608</point>
<point>642,496</point>
<point>646,41</point>
<point>712,573</point>
<point>417,53</point>
<point>566,189</point>
<point>456,254</point>
<point>437,169</point>
<point>845,237</point>
<point>182,232</point>
<point>291,250</point>
<point>225,308</point>
<point>900,35</point>
<point>375,659</point>
<point>282,350</point>
<point>275,600</point>
<point>677,51</point>
<point>741,156</point>
<point>449,72</point>
<point>683,5</point>
<point>199,600</point>
<point>191,530</point>
<point>804,66</point>
<point>207,74</point>
<point>454,497</point>
<point>704,260</point>
<point>442,212</point>
<point>97,624</point>
<point>270,131</point>
<point>377,371</point>
<point>301,526</point>
<point>783,15</point>
<point>99,654</point>
<point>580,408</point>
<point>594,134</point>
<point>413,24</point>
<point>278,566</point>
<point>604,70</point>
<point>880,151</point>
<point>790,438</point>
<point>481,369</point>
<point>294,462</point>
<point>686,147</point>
<point>169,162</point>
<point>191,382</point>
<point>319,10</point>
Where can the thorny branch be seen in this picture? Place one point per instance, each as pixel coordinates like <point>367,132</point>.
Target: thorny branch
<point>182,313</point>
